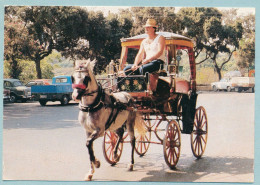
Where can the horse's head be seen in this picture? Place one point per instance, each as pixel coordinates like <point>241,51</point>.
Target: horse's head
<point>80,79</point>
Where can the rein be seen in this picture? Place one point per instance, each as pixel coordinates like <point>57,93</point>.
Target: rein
<point>122,78</point>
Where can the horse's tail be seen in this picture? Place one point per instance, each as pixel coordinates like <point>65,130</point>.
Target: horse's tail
<point>140,124</point>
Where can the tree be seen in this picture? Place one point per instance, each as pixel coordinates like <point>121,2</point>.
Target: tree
<point>166,18</point>
<point>246,56</point>
<point>15,35</point>
<point>205,26</point>
<point>50,28</point>
<point>104,38</point>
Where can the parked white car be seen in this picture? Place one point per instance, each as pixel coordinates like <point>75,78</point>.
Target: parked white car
<point>235,83</point>
<point>223,84</point>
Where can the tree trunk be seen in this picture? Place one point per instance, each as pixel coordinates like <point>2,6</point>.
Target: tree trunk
<point>15,69</point>
<point>38,68</point>
<point>218,70</point>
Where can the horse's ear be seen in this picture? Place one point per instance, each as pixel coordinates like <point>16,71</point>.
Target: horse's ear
<point>90,64</point>
<point>86,64</point>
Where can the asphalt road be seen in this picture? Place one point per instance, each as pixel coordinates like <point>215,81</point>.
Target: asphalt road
<point>47,143</point>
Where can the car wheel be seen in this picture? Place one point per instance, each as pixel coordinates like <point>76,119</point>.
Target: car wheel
<point>13,98</point>
<point>64,100</point>
<point>43,102</point>
<point>228,89</point>
<point>215,88</point>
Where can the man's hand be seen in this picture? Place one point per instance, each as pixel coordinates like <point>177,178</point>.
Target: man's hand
<point>134,67</point>
<point>121,73</point>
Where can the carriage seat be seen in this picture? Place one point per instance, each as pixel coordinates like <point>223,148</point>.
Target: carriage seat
<point>165,83</point>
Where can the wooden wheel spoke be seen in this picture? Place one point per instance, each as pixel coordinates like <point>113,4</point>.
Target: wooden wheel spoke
<point>146,138</point>
<point>172,143</point>
<point>109,135</point>
<point>202,117</point>
<point>196,144</point>
<point>203,139</point>
<point>200,132</point>
<point>204,123</point>
<point>172,155</point>
<point>111,156</point>
<point>195,139</point>
<point>175,155</point>
<point>108,148</point>
<point>200,146</point>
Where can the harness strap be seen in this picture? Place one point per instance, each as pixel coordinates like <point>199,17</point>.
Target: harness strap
<point>112,118</point>
<point>98,103</point>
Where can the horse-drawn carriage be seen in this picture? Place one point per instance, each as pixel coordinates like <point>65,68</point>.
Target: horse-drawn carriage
<point>163,98</point>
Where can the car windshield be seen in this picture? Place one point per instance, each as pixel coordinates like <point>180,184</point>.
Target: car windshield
<point>61,80</point>
<point>17,83</point>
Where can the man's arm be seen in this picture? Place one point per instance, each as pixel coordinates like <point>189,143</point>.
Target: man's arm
<point>138,57</point>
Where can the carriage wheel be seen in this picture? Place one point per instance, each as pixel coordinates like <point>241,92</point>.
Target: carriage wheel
<point>199,134</point>
<point>109,144</point>
<point>172,144</point>
<point>143,140</point>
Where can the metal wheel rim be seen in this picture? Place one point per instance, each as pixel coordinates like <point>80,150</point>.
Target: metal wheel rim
<point>172,144</point>
<point>109,143</point>
<point>143,142</point>
<point>12,98</point>
<point>199,135</point>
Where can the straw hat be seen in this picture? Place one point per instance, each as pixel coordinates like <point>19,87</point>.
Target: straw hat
<point>150,23</point>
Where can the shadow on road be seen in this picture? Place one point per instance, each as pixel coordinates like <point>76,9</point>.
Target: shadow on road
<point>35,116</point>
<point>221,166</point>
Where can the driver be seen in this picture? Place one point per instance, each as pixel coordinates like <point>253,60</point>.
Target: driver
<point>151,54</point>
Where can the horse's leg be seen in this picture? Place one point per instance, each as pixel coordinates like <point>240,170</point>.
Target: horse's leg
<point>130,130</point>
<point>120,133</point>
<point>93,161</point>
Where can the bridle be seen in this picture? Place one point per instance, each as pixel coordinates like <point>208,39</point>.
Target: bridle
<point>98,102</point>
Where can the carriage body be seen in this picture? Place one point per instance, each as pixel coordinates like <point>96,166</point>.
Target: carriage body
<point>167,96</point>
<point>164,91</point>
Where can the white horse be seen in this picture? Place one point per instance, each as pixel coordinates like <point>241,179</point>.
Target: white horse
<point>100,111</point>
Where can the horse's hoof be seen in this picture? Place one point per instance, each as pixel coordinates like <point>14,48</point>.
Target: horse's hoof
<point>88,177</point>
<point>130,167</point>
<point>97,163</point>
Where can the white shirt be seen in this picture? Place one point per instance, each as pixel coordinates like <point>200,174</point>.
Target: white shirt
<point>151,48</point>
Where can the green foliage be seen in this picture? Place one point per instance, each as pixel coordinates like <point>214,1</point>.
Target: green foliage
<point>33,33</point>
<point>205,26</point>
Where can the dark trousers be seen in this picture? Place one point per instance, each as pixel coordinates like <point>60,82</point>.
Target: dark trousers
<point>149,67</point>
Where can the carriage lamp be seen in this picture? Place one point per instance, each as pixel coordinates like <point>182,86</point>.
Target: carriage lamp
<point>111,68</point>
<point>172,67</point>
